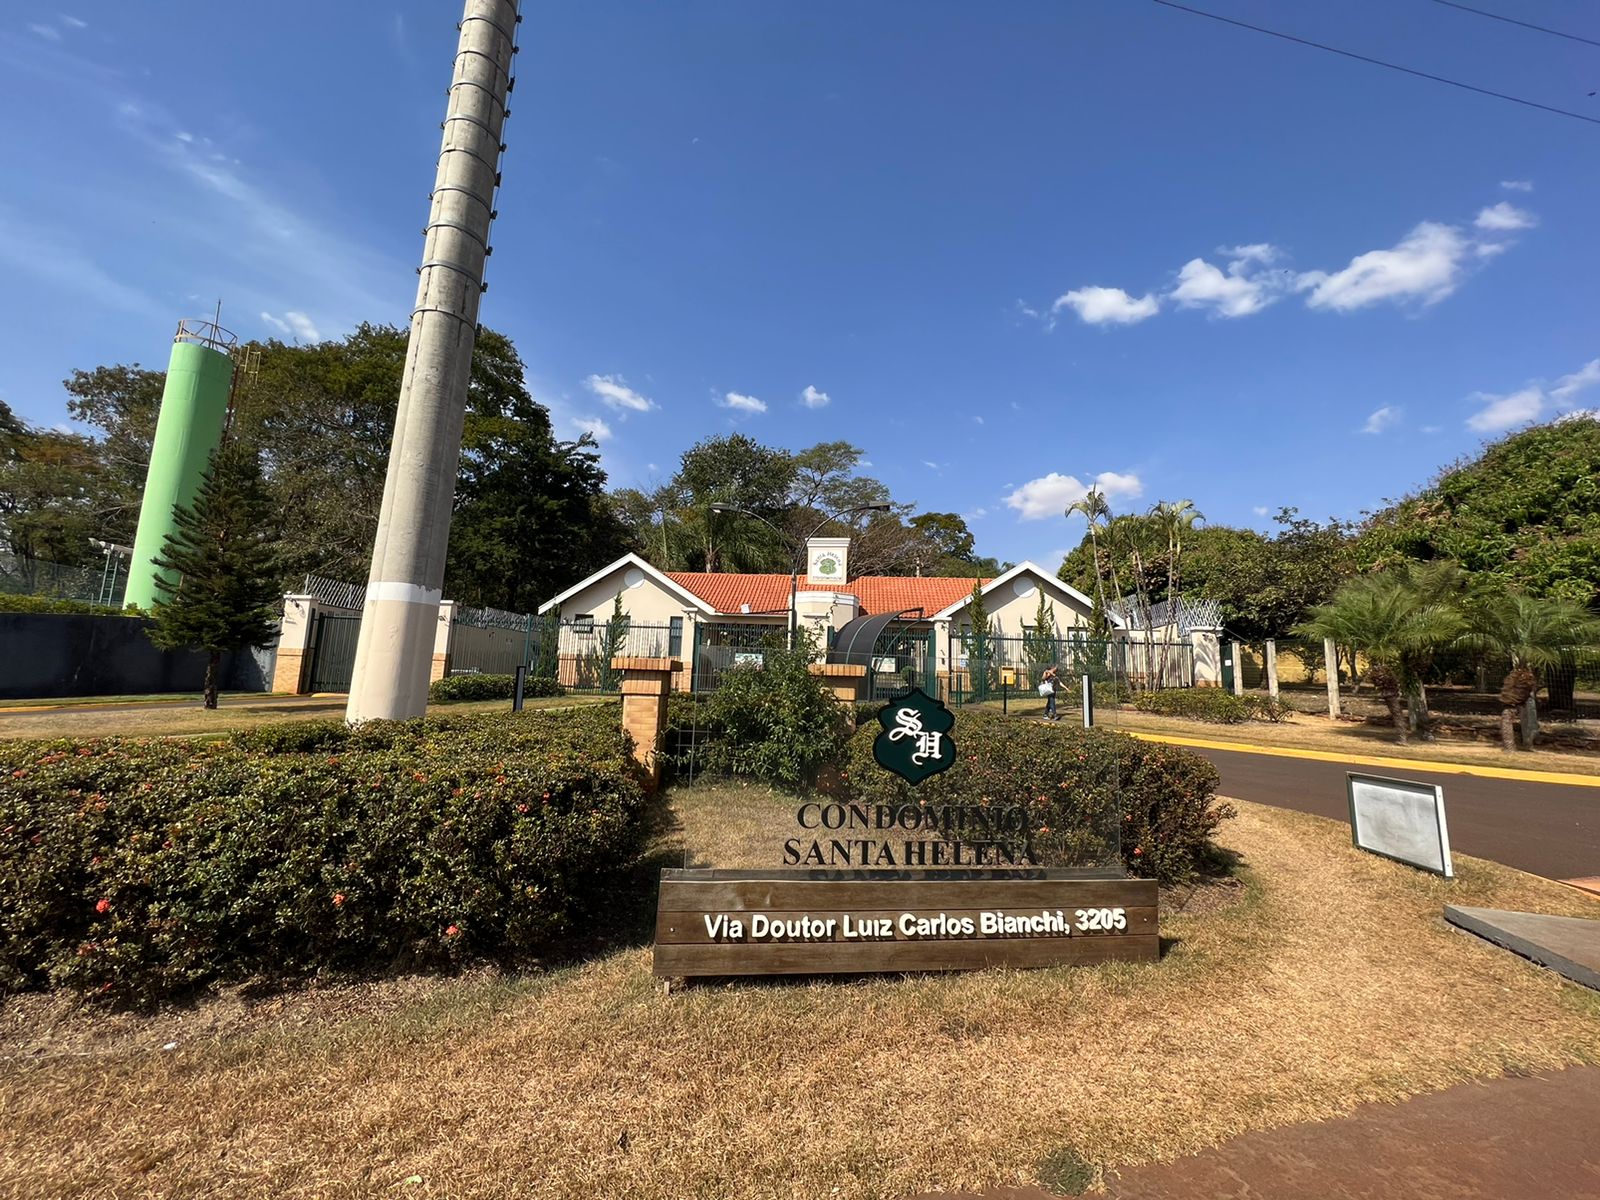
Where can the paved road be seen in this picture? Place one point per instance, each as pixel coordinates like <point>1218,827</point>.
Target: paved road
<point>1548,829</point>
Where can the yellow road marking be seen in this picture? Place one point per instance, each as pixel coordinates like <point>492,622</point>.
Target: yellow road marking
<point>1371,760</point>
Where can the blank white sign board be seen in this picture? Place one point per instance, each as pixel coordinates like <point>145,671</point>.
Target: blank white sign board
<point>1402,820</point>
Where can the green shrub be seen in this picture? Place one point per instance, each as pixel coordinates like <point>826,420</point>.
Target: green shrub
<point>777,722</point>
<point>142,869</point>
<point>1084,788</point>
<point>1211,704</point>
<point>490,687</point>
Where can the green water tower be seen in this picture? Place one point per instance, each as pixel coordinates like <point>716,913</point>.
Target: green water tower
<point>194,410</point>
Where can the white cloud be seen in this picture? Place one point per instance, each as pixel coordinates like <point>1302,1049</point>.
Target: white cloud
<point>1569,386</point>
<point>1028,311</point>
<point>614,390</point>
<point>744,404</point>
<point>812,398</point>
<point>1239,292</point>
<point>593,426</point>
<point>1432,429</point>
<point>1261,252</point>
<point>1517,185</point>
<point>1107,306</point>
<point>1504,217</point>
<point>1261,510</point>
<point>73,22</point>
<point>1383,418</point>
<point>302,326</point>
<point>48,32</point>
<point>977,418</point>
<point>1049,495</point>
<point>1503,412</point>
<point>294,324</point>
<point>1532,400</point>
<point>1424,266</point>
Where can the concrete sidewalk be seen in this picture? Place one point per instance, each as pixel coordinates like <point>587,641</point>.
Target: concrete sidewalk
<point>1514,1138</point>
<point>1526,1138</point>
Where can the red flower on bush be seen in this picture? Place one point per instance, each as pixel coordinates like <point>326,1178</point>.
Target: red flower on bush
<point>102,905</point>
<point>451,931</point>
<point>338,899</point>
<point>522,808</point>
<point>1137,851</point>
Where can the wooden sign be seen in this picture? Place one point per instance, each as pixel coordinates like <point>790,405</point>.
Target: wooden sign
<point>776,922</point>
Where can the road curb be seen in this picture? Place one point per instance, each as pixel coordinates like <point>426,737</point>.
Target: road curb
<point>1372,760</point>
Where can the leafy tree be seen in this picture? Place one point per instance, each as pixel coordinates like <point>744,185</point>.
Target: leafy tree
<point>123,401</point>
<point>531,515</point>
<point>613,642</point>
<point>1525,512</point>
<point>1531,633</point>
<point>48,487</point>
<point>1400,618</point>
<point>219,588</point>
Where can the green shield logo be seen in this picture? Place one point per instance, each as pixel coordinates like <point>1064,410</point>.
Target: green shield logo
<point>915,742</point>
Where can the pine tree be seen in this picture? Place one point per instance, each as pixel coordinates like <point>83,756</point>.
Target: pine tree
<point>224,564</point>
<point>981,667</point>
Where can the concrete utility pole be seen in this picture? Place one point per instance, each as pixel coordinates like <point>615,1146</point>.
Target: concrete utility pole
<point>404,587</point>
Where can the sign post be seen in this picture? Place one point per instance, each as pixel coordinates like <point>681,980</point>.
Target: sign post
<point>908,884</point>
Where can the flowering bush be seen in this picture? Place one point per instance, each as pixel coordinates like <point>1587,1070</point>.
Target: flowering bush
<point>490,687</point>
<point>1091,793</point>
<point>141,869</point>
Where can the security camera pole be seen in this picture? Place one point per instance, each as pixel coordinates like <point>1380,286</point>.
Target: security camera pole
<point>395,650</point>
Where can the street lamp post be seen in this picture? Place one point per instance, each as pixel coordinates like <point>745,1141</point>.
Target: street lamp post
<point>797,548</point>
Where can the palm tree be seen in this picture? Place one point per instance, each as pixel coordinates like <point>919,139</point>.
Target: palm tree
<point>1094,509</point>
<point>1531,633</point>
<point>1175,518</point>
<point>1399,618</point>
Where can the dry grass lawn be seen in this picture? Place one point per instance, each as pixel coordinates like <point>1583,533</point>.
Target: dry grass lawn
<point>240,712</point>
<point>1330,982</point>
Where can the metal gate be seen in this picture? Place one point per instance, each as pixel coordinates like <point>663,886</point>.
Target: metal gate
<point>333,651</point>
<point>902,658</point>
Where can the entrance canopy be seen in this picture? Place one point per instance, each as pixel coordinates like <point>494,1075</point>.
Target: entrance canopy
<point>857,640</point>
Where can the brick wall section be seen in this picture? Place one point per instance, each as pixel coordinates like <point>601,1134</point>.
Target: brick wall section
<point>288,671</point>
<point>645,684</point>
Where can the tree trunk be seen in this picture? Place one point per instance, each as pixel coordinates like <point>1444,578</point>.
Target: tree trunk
<point>1530,721</point>
<point>1391,701</point>
<point>1518,692</point>
<point>1508,729</point>
<point>213,669</point>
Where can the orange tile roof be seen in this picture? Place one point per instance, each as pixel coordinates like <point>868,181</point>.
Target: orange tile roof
<point>727,592</point>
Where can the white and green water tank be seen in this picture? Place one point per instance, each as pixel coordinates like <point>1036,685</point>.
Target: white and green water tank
<point>194,410</point>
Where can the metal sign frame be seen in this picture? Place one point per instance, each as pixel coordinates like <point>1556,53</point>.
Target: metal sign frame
<point>1432,791</point>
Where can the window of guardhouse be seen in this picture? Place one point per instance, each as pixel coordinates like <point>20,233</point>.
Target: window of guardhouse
<point>675,636</point>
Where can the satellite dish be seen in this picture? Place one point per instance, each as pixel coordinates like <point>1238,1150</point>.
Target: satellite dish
<point>633,578</point>
<point>1023,587</point>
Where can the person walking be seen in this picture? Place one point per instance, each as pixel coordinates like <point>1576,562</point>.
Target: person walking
<point>1047,689</point>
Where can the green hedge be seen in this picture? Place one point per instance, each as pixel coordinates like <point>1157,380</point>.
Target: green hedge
<point>13,603</point>
<point>1082,786</point>
<point>490,687</point>
<point>1211,704</point>
<point>143,869</point>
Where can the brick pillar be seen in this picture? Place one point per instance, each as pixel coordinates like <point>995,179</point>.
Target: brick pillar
<point>844,680</point>
<point>646,683</point>
<point>294,644</point>
<point>442,636</point>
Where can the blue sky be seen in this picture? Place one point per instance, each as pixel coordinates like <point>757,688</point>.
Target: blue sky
<point>1006,249</point>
